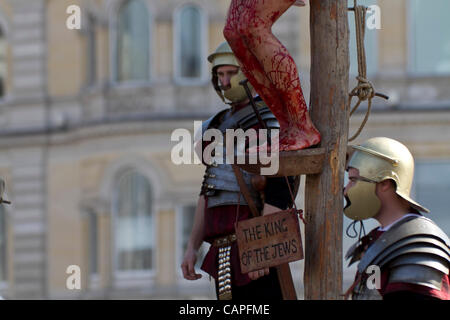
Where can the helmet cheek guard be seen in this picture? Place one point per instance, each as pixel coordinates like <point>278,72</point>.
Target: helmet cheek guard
<point>236,93</point>
<point>362,202</point>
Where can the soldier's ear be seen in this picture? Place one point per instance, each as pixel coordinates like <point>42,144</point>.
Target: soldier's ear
<point>387,185</point>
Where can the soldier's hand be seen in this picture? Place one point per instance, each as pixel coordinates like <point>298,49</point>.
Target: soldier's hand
<point>254,275</point>
<point>188,264</point>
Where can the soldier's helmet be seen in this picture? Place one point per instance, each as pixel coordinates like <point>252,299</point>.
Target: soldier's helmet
<point>381,158</point>
<point>224,56</point>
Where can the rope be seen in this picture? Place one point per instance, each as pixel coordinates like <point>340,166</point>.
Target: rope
<point>297,211</point>
<point>365,89</point>
<point>360,234</point>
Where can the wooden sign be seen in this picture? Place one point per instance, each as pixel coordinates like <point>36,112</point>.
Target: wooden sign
<point>269,241</point>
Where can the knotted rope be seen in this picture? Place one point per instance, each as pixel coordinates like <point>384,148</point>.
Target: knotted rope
<point>365,89</point>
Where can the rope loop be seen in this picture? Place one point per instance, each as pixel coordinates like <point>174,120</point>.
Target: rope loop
<point>365,90</point>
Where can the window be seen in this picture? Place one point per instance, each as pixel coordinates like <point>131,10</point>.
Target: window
<point>370,41</point>
<point>186,218</point>
<point>133,223</point>
<point>3,247</point>
<point>430,43</point>
<point>190,44</point>
<point>133,44</point>
<point>91,71</point>
<point>93,243</point>
<point>2,64</point>
<point>432,190</point>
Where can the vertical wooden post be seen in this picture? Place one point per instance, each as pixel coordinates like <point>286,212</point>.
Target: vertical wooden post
<point>329,112</point>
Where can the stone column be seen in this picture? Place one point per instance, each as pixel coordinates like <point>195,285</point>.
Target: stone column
<point>29,164</point>
<point>166,276</point>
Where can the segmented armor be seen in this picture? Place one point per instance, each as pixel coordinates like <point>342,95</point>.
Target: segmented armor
<point>415,251</point>
<point>219,182</point>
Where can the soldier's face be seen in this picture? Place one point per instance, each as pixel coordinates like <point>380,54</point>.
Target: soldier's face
<point>225,73</point>
<point>353,176</point>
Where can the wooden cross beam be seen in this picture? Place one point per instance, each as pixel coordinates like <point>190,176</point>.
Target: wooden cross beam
<point>291,163</point>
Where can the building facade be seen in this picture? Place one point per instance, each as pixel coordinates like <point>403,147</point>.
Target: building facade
<point>87,117</point>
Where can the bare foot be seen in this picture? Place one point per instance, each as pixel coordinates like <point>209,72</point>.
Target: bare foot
<point>290,140</point>
<point>296,138</point>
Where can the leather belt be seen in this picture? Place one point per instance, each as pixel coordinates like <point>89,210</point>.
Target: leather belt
<point>224,241</point>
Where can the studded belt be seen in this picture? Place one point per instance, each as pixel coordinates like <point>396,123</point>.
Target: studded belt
<point>224,272</point>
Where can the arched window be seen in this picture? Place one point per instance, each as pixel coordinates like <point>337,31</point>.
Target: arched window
<point>185,222</point>
<point>2,63</point>
<point>133,223</point>
<point>133,44</point>
<point>190,43</point>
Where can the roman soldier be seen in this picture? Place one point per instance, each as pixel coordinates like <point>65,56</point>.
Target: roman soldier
<point>410,250</point>
<point>221,202</point>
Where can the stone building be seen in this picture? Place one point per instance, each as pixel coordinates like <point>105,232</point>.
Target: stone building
<point>87,116</point>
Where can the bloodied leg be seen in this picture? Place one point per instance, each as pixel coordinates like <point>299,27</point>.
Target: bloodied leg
<point>270,68</point>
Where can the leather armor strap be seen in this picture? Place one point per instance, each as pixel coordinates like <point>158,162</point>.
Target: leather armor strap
<point>245,192</point>
<point>224,241</point>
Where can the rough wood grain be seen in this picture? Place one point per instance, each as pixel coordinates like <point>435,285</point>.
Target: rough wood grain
<point>292,163</point>
<point>329,112</point>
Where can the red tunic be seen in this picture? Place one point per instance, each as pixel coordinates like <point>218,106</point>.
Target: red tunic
<point>220,221</point>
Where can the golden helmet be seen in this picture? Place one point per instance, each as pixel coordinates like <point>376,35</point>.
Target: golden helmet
<point>381,158</point>
<point>224,56</point>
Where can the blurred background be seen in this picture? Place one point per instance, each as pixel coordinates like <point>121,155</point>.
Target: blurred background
<point>86,119</point>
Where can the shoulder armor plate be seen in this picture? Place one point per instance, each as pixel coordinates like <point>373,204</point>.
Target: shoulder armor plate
<point>422,259</point>
<point>411,236</point>
<point>417,274</point>
<point>245,118</point>
<point>251,119</point>
<point>207,124</point>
